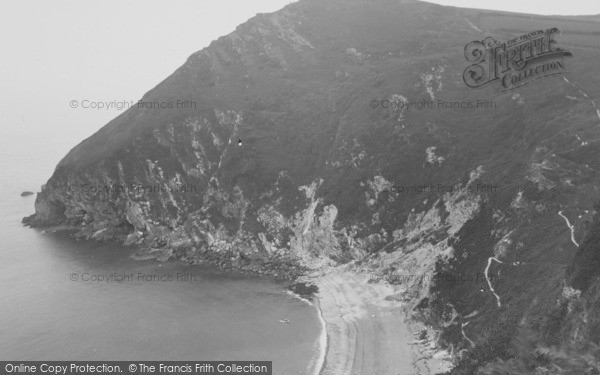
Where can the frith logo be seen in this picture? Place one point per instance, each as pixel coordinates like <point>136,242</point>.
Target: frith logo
<point>515,62</point>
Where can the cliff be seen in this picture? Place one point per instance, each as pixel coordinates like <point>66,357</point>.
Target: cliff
<point>497,201</point>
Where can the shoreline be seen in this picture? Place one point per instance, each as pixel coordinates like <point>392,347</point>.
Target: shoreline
<point>317,362</point>
<point>323,342</point>
<point>362,332</point>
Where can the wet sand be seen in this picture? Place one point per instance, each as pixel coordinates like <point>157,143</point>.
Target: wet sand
<point>365,334</point>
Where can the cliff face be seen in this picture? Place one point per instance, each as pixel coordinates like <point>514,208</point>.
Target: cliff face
<point>495,199</point>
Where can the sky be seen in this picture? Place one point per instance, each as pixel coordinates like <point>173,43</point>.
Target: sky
<point>60,51</point>
<point>545,7</point>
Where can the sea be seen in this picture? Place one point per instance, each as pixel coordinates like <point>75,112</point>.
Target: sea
<point>63,299</point>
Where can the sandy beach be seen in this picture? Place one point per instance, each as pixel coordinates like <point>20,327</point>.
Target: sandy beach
<point>365,334</point>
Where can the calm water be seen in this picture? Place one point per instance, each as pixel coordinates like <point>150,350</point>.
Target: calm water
<point>44,315</point>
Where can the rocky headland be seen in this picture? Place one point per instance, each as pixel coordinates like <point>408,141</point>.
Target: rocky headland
<point>479,225</point>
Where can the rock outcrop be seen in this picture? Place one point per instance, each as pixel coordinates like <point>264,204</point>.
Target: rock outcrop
<point>276,155</point>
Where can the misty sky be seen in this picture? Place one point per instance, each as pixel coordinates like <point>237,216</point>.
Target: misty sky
<point>63,50</point>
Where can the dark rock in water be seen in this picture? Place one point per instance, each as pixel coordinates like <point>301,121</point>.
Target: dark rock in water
<point>304,290</point>
<point>27,193</point>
